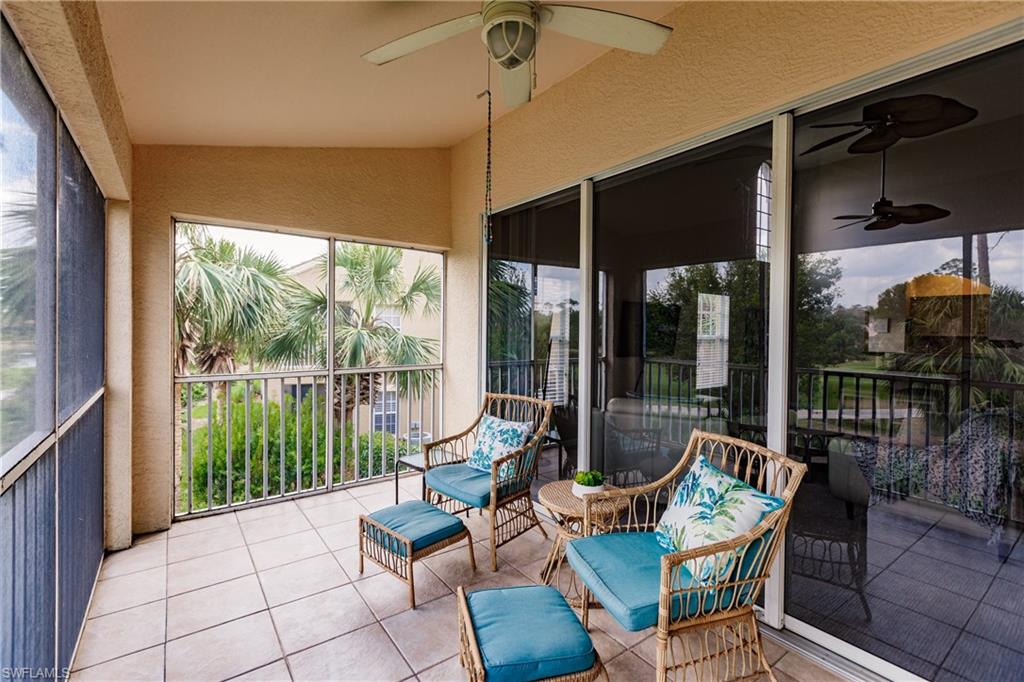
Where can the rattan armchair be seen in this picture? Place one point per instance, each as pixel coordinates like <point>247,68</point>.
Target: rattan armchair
<point>508,500</point>
<point>710,628</point>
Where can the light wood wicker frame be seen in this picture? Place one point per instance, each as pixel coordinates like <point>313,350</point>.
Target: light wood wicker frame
<point>511,506</point>
<point>721,640</point>
<point>473,662</point>
<point>381,551</point>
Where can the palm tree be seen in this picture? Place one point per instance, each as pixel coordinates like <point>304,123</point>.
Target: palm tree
<point>370,282</point>
<point>227,300</point>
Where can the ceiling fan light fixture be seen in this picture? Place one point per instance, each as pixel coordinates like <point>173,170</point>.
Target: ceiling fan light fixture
<point>510,33</point>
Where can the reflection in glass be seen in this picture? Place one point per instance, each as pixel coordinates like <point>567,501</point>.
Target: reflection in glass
<point>681,251</point>
<point>533,298</point>
<point>907,392</point>
<point>27,255</point>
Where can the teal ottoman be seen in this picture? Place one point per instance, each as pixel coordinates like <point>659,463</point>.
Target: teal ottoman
<point>395,537</point>
<point>519,634</point>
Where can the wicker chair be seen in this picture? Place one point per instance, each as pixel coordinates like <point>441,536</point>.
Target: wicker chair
<point>507,500</point>
<point>711,629</point>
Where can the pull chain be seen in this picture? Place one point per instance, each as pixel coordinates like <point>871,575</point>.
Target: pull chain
<point>488,205</point>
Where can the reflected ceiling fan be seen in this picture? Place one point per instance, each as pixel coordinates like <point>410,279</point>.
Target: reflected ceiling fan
<point>885,215</point>
<point>511,30</point>
<point>887,122</point>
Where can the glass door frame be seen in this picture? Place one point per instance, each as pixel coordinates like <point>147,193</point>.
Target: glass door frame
<point>779,263</point>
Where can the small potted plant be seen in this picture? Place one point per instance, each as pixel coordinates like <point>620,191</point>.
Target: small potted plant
<point>587,482</point>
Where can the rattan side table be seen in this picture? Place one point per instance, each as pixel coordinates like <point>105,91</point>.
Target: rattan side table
<point>568,511</point>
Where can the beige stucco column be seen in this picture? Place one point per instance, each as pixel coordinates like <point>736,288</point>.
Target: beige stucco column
<point>117,403</point>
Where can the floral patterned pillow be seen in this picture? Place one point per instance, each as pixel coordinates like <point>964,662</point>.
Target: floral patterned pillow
<point>710,506</point>
<point>496,438</point>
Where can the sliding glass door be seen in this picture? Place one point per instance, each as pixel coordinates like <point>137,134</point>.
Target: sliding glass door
<point>907,386</point>
<point>533,298</point>
<point>904,392</point>
<point>680,304</point>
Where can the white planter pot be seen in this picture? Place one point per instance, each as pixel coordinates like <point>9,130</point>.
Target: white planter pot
<point>581,490</point>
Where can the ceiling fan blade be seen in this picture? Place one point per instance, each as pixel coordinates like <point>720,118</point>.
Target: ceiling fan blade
<point>832,140</point>
<point>424,38</point>
<point>855,222</point>
<point>875,141</point>
<point>606,28</point>
<point>910,108</point>
<point>918,213</point>
<point>853,217</point>
<point>883,224</point>
<point>953,114</point>
<point>516,85</point>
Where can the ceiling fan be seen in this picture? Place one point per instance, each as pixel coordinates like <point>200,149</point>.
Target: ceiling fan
<point>887,122</point>
<point>885,215</point>
<point>511,29</point>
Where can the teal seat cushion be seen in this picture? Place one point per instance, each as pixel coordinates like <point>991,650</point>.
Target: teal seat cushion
<point>417,520</point>
<point>528,633</point>
<point>623,570</point>
<point>461,482</point>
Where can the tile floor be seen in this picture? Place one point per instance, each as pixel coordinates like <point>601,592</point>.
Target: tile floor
<point>274,593</point>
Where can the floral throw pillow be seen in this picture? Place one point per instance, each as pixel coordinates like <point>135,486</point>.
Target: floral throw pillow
<point>496,438</point>
<point>710,506</point>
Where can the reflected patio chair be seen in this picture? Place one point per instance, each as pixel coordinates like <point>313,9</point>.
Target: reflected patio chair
<point>504,492</point>
<point>641,584</point>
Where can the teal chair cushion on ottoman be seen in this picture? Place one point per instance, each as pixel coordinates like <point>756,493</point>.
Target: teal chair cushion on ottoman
<point>528,633</point>
<point>421,522</point>
<point>461,482</point>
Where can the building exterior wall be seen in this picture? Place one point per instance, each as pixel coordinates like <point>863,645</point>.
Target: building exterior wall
<point>395,196</point>
<point>724,62</point>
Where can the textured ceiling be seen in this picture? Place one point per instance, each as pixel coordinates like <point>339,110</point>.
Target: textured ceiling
<point>289,73</point>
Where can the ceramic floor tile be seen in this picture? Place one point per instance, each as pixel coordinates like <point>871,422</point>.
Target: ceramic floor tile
<point>366,655</point>
<point>601,619</point>
<point>275,672</point>
<point>377,488</point>
<point>338,512</point>
<point>418,634</point>
<point>136,558</point>
<point>323,499</point>
<point>203,542</point>
<point>607,647</point>
<point>630,667</point>
<point>286,549</point>
<point>387,595</point>
<point>223,651</point>
<point>142,666</point>
<point>266,510</point>
<point>449,670</point>
<point>213,605</point>
<point>379,501</point>
<point>207,570</point>
<point>301,578</point>
<point>270,527</point>
<point>349,560</point>
<point>116,634</point>
<point>316,619</point>
<point>125,591</point>
<point>204,523</point>
<point>340,535</point>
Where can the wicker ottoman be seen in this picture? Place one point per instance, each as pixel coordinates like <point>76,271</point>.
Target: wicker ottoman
<point>520,634</point>
<point>395,537</point>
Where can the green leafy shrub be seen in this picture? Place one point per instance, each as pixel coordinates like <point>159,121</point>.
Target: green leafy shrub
<point>590,478</point>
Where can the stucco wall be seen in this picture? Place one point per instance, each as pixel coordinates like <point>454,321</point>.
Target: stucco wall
<point>724,62</point>
<point>398,196</point>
